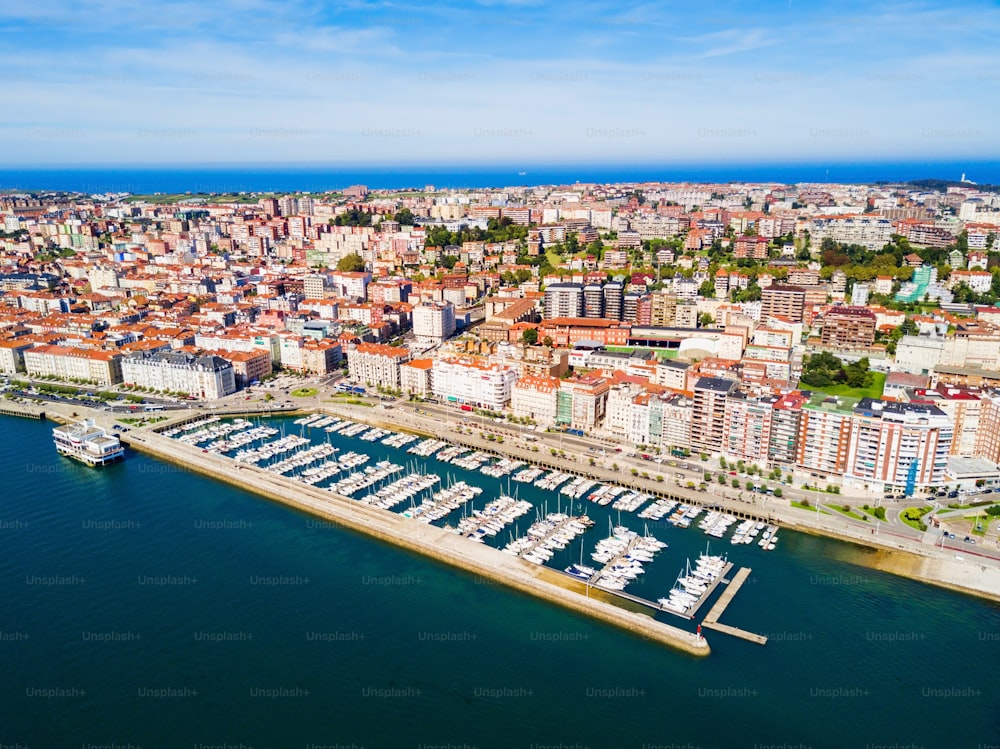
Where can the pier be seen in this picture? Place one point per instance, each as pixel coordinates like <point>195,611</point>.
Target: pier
<point>712,618</point>
<point>711,589</point>
<point>24,413</point>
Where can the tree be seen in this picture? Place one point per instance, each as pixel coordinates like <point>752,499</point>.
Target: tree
<point>530,336</point>
<point>404,216</point>
<point>547,341</point>
<point>705,320</point>
<point>351,263</point>
<point>707,290</point>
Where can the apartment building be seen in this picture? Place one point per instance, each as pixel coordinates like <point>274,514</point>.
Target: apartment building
<point>535,397</point>
<point>563,300</point>
<point>12,355</point>
<point>783,301</point>
<point>709,413</point>
<point>415,377</point>
<point>824,434</point>
<point>206,376</point>
<point>747,428</point>
<point>433,322</point>
<point>848,327</point>
<point>898,445</point>
<point>67,363</point>
<point>582,402</point>
<point>473,382</point>
<point>376,365</point>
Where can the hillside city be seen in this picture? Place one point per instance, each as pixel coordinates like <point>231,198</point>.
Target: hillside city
<point>851,332</point>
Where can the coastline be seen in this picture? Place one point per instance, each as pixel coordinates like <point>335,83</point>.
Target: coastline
<point>426,540</point>
<point>894,555</point>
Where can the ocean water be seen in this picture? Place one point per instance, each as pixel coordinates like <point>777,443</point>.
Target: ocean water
<point>319,178</point>
<point>148,606</point>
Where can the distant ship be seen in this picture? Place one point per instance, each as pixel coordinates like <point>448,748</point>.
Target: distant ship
<point>521,174</point>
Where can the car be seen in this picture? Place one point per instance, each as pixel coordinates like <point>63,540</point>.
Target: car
<point>986,491</point>
<point>951,535</point>
<point>618,449</point>
<point>952,495</point>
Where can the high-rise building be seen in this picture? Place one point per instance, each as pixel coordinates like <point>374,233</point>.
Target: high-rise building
<point>709,413</point>
<point>784,301</point>
<point>613,300</point>
<point>563,300</point>
<point>434,321</point>
<point>593,301</point>
<point>848,327</point>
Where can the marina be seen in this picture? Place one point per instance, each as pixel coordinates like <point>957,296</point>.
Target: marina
<point>473,604</point>
<point>619,562</point>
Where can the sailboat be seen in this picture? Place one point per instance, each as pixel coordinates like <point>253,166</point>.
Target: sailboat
<point>580,570</point>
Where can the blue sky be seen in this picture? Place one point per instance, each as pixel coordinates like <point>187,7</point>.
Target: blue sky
<point>495,81</point>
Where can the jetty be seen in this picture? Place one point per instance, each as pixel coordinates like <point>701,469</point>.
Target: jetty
<point>711,620</point>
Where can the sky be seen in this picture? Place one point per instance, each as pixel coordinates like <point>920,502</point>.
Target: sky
<point>168,82</point>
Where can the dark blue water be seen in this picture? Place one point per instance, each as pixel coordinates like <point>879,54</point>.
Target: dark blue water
<point>319,178</point>
<point>145,605</point>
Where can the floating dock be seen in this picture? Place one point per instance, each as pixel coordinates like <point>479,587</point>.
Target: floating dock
<point>712,618</point>
<point>711,589</point>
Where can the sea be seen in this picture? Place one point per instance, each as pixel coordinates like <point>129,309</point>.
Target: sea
<point>146,606</point>
<point>320,178</point>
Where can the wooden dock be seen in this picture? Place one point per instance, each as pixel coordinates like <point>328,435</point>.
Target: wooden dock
<point>711,589</point>
<point>712,617</point>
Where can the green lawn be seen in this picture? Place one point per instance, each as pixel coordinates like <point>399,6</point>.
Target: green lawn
<point>305,392</point>
<point>874,391</point>
<point>808,508</point>
<point>851,514</point>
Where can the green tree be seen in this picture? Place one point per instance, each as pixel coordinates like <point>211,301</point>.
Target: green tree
<point>405,217</point>
<point>351,263</point>
<point>707,289</point>
<point>530,336</point>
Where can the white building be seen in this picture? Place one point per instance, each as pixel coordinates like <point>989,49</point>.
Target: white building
<point>207,377</point>
<point>473,382</point>
<point>536,398</point>
<point>376,365</point>
<point>434,322</point>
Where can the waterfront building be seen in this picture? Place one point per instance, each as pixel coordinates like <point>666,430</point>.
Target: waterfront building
<point>709,413</point>
<point>581,402</point>
<point>824,434</point>
<point>415,377</point>
<point>376,365</point>
<point>206,376</point>
<point>535,397</point>
<point>897,445</point>
<point>747,425</point>
<point>473,382</point>
<point>67,363</point>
